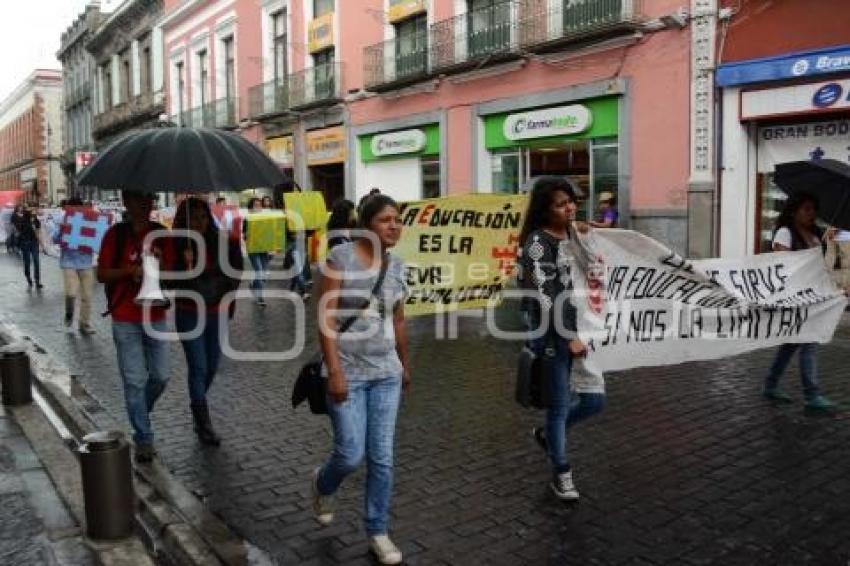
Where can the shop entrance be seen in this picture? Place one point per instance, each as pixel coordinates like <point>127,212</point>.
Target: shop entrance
<point>590,164</point>
<point>329,180</point>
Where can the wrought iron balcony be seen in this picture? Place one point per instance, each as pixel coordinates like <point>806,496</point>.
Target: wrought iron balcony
<point>316,86</point>
<point>467,39</point>
<point>140,109</point>
<point>223,113</point>
<point>77,94</point>
<point>496,33</point>
<point>397,61</point>
<point>268,98</point>
<point>542,27</point>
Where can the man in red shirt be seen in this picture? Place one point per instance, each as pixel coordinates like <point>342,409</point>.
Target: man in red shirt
<point>141,357</point>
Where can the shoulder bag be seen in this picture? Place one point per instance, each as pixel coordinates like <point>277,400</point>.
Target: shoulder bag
<point>310,384</point>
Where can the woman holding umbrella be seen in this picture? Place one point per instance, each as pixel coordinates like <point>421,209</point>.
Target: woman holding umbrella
<point>204,352</point>
<point>796,230</point>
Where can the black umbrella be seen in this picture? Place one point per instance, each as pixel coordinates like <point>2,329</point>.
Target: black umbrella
<point>827,180</point>
<point>184,160</point>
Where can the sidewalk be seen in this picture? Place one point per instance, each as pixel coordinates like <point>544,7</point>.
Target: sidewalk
<point>37,528</point>
<point>687,465</point>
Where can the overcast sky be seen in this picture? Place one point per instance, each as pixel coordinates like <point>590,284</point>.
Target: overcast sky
<point>29,36</point>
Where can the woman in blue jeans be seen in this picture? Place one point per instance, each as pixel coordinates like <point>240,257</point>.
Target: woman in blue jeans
<point>796,230</point>
<point>545,273</point>
<point>204,351</point>
<point>366,367</point>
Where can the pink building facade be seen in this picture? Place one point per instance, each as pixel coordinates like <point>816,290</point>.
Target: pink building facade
<point>484,96</point>
<point>422,98</point>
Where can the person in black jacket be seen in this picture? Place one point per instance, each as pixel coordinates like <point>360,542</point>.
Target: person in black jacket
<point>203,352</point>
<point>27,228</point>
<point>545,273</point>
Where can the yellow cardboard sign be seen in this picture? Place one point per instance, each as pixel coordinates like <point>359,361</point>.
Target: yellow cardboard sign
<point>320,33</point>
<point>459,250</point>
<point>265,231</point>
<point>402,9</point>
<point>305,210</point>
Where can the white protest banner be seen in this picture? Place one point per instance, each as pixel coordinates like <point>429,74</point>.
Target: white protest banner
<point>640,304</point>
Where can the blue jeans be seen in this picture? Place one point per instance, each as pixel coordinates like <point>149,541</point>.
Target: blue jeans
<point>365,426</point>
<point>564,407</point>
<point>808,367</point>
<point>259,263</point>
<point>29,251</point>
<point>202,354</point>
<point>143,365</point>
<point>300,266</point>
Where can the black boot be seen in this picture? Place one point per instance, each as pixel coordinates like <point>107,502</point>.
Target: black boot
<point>203,425</point>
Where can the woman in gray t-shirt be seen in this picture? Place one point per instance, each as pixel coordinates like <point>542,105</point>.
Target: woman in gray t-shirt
<point>366,367</point>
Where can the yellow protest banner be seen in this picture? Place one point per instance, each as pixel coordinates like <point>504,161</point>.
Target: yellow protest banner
<point>459,250</point>
<point>305,210</point>
<point>265,231</point>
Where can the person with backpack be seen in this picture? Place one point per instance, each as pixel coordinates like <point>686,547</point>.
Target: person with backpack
<point>796,230</point>
<point>203,352</point>
<point>260,260</point>
<point>366,364</point>
<point>142,358</point>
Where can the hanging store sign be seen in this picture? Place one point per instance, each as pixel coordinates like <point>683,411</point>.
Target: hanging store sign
<point>403,9</point>
<point>326,146</point>
<point>801,142</point>
<point>281,150</point>
<point>396,143</point>
<point>812,63</point>
<point>84,159</point>
<point>795,99</point>
<point>561,121</point>
<point>320,33</point>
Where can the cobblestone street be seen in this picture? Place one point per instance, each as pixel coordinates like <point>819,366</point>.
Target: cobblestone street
<point>688,465</point>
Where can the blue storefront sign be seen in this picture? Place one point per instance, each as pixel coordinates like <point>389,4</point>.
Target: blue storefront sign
<point>788,66</point>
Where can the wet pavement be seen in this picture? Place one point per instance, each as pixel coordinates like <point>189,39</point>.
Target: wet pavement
<point>687,465</point>
<point>36,528</point>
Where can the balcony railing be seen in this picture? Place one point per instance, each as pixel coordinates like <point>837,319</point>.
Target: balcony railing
<point>138,109</point>
<point>497,33</point>
<point>315,86</point>
<point>397,60</point>
<point>268,98</point>
<point>223,113</point>
<point>77,94</point>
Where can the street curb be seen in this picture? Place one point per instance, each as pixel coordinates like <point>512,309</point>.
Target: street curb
<point>175,525</point>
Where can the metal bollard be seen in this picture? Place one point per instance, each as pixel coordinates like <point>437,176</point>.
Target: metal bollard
<point>107,485</point>
<point>16,377</point>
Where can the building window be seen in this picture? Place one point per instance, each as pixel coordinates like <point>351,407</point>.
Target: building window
<point>107,88</point>
<point>489,26</point>
<point>229,68</point>
<point>322,7</point>
<point>181,85</point>
<point>323,69</point>
<point>279,45</point>
<point>147,70</point>
<point>412,46</point>
<point>203,73</point>
<point>430,177</point>
<point>125,81</point>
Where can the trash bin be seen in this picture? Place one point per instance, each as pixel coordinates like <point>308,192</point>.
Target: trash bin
<point>107,485</point>
<point>16,377</point>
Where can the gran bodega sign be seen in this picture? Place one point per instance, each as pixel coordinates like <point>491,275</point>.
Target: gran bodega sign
<point>561,121</point>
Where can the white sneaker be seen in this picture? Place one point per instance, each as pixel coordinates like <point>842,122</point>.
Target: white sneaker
<point>384,550</point>
<point>563,487</point>
<point>323,505</point>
